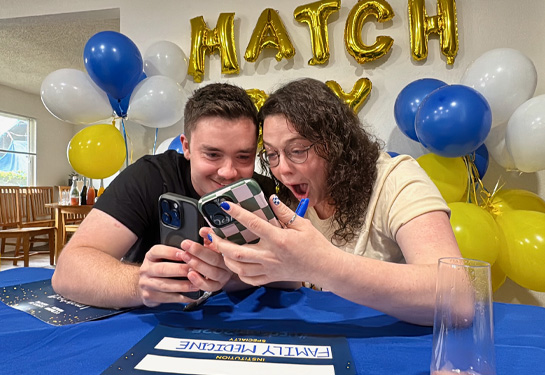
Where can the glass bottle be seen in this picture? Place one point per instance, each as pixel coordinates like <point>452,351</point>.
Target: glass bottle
<point>101,188</point>
<point>83,194</point>
<point>91,193</point>
<point>74,193</point>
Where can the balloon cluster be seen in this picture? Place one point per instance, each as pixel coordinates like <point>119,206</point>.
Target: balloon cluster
<point>492,110</point>
<point>119,83</point>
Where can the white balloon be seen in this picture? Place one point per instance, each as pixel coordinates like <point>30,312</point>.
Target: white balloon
<point>495,144</point>
<point>505,77</point>
<point>164,146</point>
<point>525,135</point>
<point>72,96</point>
<point>167,59</point>
<point>156,102</point>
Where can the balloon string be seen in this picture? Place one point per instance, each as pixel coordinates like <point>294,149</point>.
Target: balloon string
<point>119,107</point>
<point>488,200</point>
<point>475,184</point>
<point>132,148</point>
<point>472,177</point>
<point>155,140</point>
<point>126,146</point>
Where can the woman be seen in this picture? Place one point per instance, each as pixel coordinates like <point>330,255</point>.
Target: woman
<point>376,226</point>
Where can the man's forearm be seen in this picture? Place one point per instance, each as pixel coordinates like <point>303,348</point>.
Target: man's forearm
<point>89,276</point>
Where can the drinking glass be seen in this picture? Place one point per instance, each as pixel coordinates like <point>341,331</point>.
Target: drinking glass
<point>463,328</point>
<point>65,197</point>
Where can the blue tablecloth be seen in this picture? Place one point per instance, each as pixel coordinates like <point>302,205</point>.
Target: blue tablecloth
<point>379,343</point>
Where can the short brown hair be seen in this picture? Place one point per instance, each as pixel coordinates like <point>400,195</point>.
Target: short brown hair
<point>218,100</point>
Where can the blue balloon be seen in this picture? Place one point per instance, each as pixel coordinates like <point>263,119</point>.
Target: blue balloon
<point>453,121</point>
<point>408,101</point>
<point>121,106</point>
<point>176,145</point>
<point>113,62</point>
<point>481,160</point>
<point>392,154</point>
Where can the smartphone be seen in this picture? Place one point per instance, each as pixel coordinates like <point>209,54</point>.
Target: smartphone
<point>180,219</point>
<point>247,193</point>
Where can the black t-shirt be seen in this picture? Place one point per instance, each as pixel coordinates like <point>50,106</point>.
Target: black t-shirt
<point>132,197</point>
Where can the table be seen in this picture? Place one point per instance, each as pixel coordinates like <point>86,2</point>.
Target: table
<point>379,344</point>
<point>60,210</point>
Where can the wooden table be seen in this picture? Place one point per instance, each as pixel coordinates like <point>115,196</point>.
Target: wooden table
<point>60,211</point>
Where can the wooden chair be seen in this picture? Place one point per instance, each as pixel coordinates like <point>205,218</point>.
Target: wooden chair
<point>38,214</point>
<point>12,227</point>
<point>70,218</point>
<point>69,221</point>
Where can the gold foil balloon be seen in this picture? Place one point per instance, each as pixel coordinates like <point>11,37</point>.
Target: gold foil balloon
<point>315,15</point>
<point>354,23</point>
<point>258,97</point>
<point>444,23</point>
<point>356,97</point>
<point>205,40</point>
<point>269,32</point>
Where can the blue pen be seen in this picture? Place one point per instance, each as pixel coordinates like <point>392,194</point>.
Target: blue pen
<point>301,209</point>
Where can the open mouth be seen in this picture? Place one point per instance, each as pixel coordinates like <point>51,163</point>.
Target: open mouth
<point>300,190</point>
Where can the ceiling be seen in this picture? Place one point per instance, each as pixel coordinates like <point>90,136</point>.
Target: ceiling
<point>33,47</point>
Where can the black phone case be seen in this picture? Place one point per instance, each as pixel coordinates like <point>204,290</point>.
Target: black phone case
<point>185,226</point>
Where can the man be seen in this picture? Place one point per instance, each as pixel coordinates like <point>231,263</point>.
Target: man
<point>115,258</point>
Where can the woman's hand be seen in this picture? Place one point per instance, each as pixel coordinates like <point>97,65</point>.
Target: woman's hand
<point>295,252</point>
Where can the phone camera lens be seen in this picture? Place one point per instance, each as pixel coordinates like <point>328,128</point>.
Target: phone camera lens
<point>175,215</point>
<point>218,219</point>
<point>167,219</point>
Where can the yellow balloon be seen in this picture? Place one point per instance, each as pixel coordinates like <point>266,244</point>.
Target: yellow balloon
<point>448,174</point>
<point>97,151</point>
<point>498,276</point>
<point>269,32</point>
<point>315,15</point>
<point>358,15</point>
<point>523,259</point>
<point>258,97</point>
<point>444,24</point>
<point>516,199</point>
<point>476,232</point>
<point>205,40</point>
<point>356,97</point>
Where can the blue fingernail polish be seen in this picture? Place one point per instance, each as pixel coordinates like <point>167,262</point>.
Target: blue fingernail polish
<point>276,200</point>
<point>225,206</point>
<point>209,237</point>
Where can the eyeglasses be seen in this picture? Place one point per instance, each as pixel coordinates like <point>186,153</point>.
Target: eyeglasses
<point>296,152</point>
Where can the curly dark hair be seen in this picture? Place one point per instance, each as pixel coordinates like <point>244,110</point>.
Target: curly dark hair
<point>218,100</point>
<point>320,116</point>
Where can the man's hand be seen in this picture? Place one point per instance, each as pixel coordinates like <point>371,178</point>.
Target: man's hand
<point>203,268</point>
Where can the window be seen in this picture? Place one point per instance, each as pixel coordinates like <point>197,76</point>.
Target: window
<point>17,150</point>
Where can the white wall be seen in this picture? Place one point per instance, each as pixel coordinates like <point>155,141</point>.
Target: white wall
<point>482,25</point>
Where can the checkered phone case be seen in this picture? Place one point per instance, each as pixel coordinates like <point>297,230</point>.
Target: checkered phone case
<point>247,193</point>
